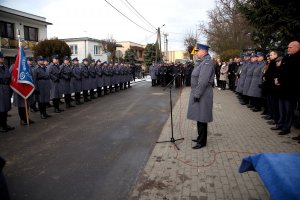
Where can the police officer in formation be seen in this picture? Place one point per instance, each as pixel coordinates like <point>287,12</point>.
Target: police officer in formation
<point>76,79</point>
<point>54,81</point>
<point>42,86</point>
<point>5,95</point>
<point>19,101</point>
<point>66,73</point>
<point>93,79</point>
<point>164,73</point>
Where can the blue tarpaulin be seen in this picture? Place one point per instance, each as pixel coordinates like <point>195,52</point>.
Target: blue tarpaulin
<point>280,173</point>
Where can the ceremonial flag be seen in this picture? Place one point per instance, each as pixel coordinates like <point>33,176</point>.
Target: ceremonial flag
<point>21,80</point>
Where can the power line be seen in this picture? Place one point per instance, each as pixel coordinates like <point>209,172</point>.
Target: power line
<point>128,17</point>
<point>135,13</point>
<point>148,37</point>
<point>140,15</point>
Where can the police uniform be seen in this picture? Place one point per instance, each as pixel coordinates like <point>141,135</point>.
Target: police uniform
<point>56,89</point>
<point>66,73</point>
<point>42,87</point>
<point>85,80</point>
<point>201,97</point>
<point>99,77</point>
<point>93,79</point>
<point>5,95</point>
<point>76,80</point>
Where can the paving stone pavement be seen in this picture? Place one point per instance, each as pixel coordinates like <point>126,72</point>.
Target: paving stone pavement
<point>210,172</point>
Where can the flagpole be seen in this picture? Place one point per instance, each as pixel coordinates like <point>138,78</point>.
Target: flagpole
<point>25,100</point>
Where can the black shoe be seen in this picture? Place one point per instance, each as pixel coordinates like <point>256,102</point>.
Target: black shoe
<point>263,113</point>
<point>197,146</point>
<point>34,110</point>
<point>47,115</point>
<point>78,103</point>
<point>195,141</point>
<point>6,129</point>
<point>271,122</point>
<point>250,106</point>
<point>43,116</point>
<point>275,128</point>
<point>267,117</point>
<point>57,111</point>
<point>256,110</point>
<point>24,123</point>
<point>296,138</point>
<point>284,132</point>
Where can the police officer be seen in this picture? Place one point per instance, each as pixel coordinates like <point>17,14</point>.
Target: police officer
<point>93,79</point>
<point>32,69</point>
<point>19,101</point>
<point>254,91</point>
<point>242,77</point>
<point>85,79</point>
<point>116,76</point>
<point>66,73</point>
<point>111,77</point>
<point>5,95</point>
<point>251,66</point>
<point>201,97</point>
<point>99,74</point>
<point>56,89</point>
<point>42,86</point>
<point>188,72</point>
<point>153,72</point>
<point>76,80</point>
<point>106,77</point>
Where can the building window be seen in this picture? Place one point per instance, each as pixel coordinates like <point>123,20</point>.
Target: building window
<point>30,33</point>
<point>6,30</point>
<point>97,50</point>
<point>74,49</point>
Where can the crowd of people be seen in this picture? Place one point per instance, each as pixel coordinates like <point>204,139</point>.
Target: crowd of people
<point>268,83</point>
<point>57,79</point>
<point>163,73</point>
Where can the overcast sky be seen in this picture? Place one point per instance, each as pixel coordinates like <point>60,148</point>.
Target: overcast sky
<point>97,19</point>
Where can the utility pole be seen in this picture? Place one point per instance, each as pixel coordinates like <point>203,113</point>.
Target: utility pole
<point>158,43</point>
<point>166,45</point>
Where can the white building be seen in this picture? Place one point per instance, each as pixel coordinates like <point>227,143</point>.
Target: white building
<point>32,29</point>
<point>82,47</point>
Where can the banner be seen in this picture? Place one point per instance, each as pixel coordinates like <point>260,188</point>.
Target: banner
<point>21,80</point>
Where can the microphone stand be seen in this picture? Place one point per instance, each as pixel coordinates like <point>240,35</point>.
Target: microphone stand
<point>172,140</point>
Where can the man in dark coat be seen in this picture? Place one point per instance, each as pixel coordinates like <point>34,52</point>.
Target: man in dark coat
<point>66,73</point>
<point>55,76</point>
<point>5,95</point>
<point>231,73</point>
<point>201,97</point>
<point>288,89</point>
<point>76,80</point>
<point>42,86</point>
<point>188,73</point>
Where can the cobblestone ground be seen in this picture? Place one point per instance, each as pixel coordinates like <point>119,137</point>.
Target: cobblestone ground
<point>210,172</point>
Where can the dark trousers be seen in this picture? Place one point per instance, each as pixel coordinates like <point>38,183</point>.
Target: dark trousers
<point>68,100</point>
<point>202,133</point>
<point>223,85</point>
<point>92,93</point>
<point>99,91</point>
<point>22,113</point>
<point>286,114</point>
<point>42,108</point>
<point>4,195</point>
<point>153,82</point>
<point>56,103</point>
<point>85,94</point>
<point>77,96</point>
<point>275,108</point>
<point>3,119</point>
<point>256,102</point>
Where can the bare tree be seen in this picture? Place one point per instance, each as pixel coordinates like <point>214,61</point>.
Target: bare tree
<point>227,28</point>
<point>110,45</point>
<point>190,41</point>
